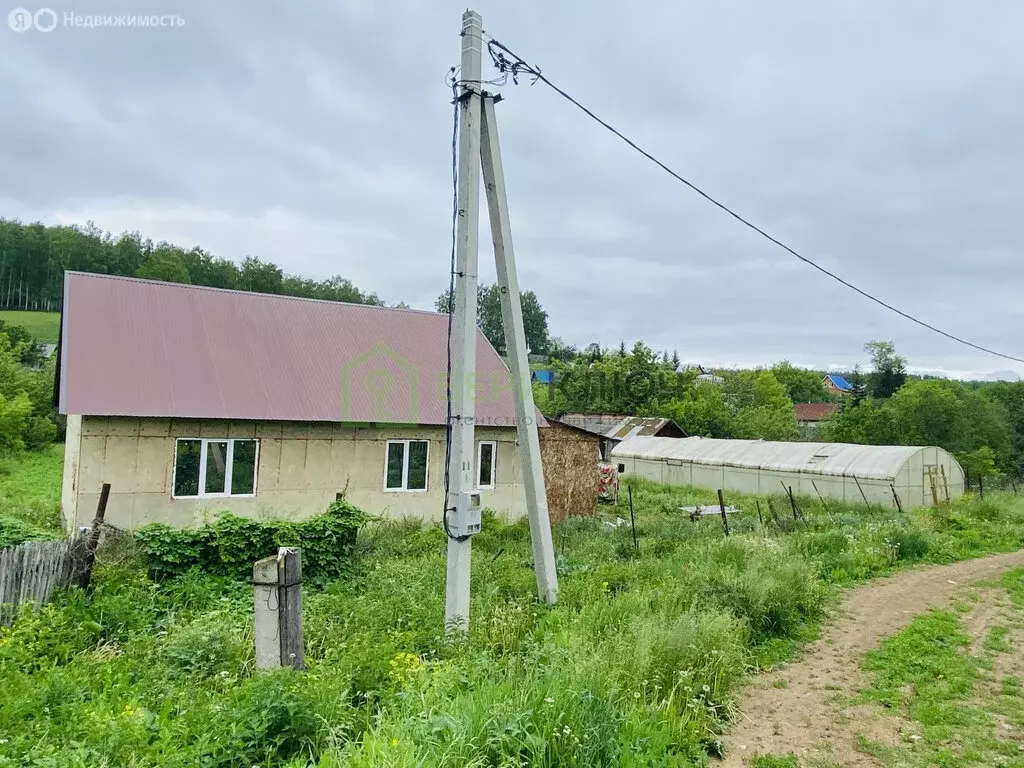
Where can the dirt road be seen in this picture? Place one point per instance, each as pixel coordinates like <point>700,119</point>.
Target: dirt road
<point>793,710</point>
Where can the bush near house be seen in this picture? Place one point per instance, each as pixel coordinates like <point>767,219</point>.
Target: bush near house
<point>230,545</point>
<point>636,666</point>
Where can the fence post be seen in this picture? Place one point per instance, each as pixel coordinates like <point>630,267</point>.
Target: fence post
<point>721,506</point>
<point>265,612</point>
<point>760,519</point>
<point>792,501</point>
<point>896,497</point>
<point>93,542</point>
<point>290,616</point>
<point>277,607</point>
<point>632,519</point>
<point>862,494</point>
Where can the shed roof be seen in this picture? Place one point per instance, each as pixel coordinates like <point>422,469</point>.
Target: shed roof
<point>615,425</point>
<point>134,347</point>
<point>880,462</point>
<point>814,411</point>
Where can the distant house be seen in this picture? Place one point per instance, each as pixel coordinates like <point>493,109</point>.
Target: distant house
<point>707,376</point>
<point>810,415</point>
<point>192,400</point>
<point>836,384</point>
<point>614,428</point>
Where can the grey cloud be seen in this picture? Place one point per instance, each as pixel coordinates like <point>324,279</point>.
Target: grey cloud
<point>885,141</point>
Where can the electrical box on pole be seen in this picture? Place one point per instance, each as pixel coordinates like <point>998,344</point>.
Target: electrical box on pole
<point>465,519</point>
<point>478,146</point>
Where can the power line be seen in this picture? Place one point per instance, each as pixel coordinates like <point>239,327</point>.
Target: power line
<point>510,64</point>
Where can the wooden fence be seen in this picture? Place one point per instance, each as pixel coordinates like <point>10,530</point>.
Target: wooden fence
<point>32,571</point>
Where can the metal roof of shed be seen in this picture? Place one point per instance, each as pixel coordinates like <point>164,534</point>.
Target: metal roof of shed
<point>133,347</point>
<point>877,462</point>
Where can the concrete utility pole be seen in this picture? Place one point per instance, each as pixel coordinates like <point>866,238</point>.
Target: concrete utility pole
<point>467,243</point>
<point>515,341</point>
<point>474,127</point>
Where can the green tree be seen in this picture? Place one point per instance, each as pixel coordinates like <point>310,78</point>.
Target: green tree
<point>769,414</point>
<point>703,412</point>
<point>802,385</point>
<point>864,424</point>
<point>14,415</point>
<point>889,369</point>
<point>1010,395</point>
<point>859,387</point>
<point>489,318</point>
<point>260,276</point>
<point>165,264</point>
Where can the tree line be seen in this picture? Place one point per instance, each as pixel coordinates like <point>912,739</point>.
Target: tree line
<point>34,257</point>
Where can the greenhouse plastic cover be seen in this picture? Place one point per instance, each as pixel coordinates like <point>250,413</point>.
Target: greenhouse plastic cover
<point>881,462</point>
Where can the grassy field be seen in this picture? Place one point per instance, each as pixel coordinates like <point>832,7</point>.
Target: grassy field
<point>30,487</point>
<point>636,666</point>
<point>45,326</point>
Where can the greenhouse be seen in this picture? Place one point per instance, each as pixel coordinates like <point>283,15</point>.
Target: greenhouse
<point>851,473</point>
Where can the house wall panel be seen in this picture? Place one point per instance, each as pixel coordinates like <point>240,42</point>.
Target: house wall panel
<point>297,476</point>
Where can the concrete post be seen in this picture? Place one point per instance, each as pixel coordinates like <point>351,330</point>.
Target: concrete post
<point>277,608</point>
<point>265,611</point>
<point>515,343</point>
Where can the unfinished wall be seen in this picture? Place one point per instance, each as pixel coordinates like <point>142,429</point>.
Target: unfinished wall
<point>72,457</point>
<point>300,469</point>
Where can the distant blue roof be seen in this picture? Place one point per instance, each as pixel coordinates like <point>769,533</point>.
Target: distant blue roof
<point>544,377</point>
<point>840,382</point>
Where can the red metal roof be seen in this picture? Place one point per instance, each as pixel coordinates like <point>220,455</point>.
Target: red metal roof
<point>814,411</point>
<point>144,348</point>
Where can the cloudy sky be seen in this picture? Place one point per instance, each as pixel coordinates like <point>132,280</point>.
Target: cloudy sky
<point>884,139</point>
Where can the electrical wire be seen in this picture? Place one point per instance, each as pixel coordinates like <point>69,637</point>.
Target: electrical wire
<point>453,81</point>
<point>510,64</point>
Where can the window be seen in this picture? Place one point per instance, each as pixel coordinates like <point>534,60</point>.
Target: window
<point>214,468</point>
<point>486,458</point>
<point>405,467</point>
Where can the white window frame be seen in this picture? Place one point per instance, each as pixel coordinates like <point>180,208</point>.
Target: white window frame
<point>229,461</point>
<point>479,464</point>
<point>405,466</point>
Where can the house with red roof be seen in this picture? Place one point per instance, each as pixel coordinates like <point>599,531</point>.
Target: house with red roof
<point>191,400</point>
<point>809,416</point>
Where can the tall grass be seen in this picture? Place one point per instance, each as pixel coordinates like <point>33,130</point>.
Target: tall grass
<point>637,665</point>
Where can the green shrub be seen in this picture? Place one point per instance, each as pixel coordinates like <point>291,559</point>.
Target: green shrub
<point>204,648</point>
<point>13,531</point>
<point>231,544</point>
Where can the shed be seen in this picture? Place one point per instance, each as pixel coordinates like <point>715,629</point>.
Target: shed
<point>570,458</point>
<point>192,400</point>
<point>839,470</point>
<point>809,416</point>
<point>613,428</point>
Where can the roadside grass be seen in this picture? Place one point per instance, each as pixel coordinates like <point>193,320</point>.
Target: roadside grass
<point>30,488</point>
<point>637,665</point>
<point>968,711</point>
<point>44,326</point>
